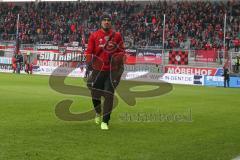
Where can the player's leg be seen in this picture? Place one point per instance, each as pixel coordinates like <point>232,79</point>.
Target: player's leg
<point>96,85</point>
<point>108,102</point>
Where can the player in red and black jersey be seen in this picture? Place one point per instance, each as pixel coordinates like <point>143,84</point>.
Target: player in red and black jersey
<point>105,56</point>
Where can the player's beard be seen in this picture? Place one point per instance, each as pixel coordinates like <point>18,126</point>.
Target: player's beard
<point>106,29</point>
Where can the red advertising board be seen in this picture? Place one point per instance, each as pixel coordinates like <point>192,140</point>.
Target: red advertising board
<point>144,56</point>
<point>130,59</point>
<point>206,55</point>
<point>143,59</point>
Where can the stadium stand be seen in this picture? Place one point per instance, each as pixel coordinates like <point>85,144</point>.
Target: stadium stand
<point>189,25</point>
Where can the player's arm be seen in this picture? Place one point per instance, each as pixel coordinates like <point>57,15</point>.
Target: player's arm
<point>89,54</point>
<point>120,52</point>
<point>121,46</point>
<point>90,48</point>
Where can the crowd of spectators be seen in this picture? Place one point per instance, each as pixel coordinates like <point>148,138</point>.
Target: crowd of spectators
<point>188,24</point>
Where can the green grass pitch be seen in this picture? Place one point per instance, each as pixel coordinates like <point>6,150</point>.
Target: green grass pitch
<point>30,130</point>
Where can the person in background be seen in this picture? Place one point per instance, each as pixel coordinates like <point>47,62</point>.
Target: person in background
<point>14,63</point>
<point>19,62</point>
<point>28,63</point>
<point>226,76</point>
<point>237,64</point>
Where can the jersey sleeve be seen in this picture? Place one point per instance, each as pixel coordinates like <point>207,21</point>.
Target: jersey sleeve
<point>90,48</point>
<point>119,56</point>
<point>121,46</point>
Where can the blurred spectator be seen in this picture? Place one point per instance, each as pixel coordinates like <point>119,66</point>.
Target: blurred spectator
<point>199,23</point>
<point>14,63</point>
<point>237,64</point>
<point>226,76</point>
